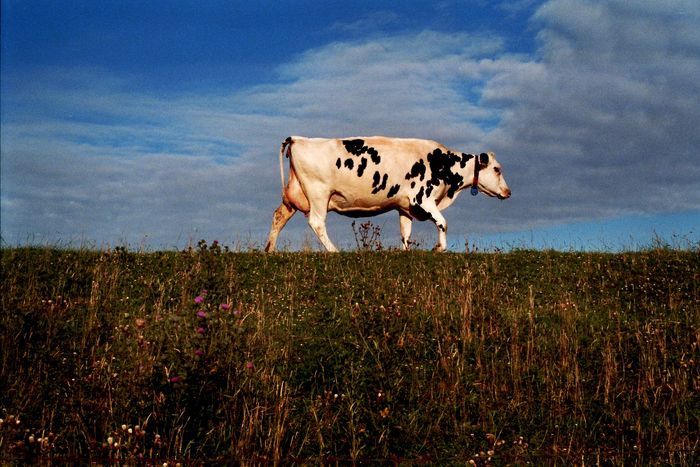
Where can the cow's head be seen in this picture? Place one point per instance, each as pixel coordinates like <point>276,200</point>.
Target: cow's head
<point>490,176</point>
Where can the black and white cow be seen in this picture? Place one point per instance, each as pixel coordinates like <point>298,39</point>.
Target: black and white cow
<point>362,177</point>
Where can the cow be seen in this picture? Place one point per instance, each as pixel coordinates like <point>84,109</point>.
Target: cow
<point>367,176</point>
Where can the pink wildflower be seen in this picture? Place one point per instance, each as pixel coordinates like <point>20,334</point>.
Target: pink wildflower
<point>236,312</point>
<point>225,306</point>
<point>201,330</point>
<point>201,314</point>
<point>199,352</point>
<point>176,379</point>
<point>198,299</point>
<point>249,365</point>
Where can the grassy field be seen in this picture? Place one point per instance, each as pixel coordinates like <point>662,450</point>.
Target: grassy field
<point>212,356</point>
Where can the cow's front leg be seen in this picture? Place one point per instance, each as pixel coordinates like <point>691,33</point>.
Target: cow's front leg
<point>317,221</point>
<point>428,210</point>
<point>405,223</point>
<point>441,225</point>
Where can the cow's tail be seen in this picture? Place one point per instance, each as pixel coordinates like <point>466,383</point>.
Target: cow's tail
<point>285,150</point>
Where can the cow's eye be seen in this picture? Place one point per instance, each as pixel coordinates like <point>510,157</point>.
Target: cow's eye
<point>497,170</point>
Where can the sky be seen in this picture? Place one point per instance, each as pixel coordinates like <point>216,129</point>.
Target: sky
<point>157,124</point>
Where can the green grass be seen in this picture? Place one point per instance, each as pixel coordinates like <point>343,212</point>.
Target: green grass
<point>528,356</point>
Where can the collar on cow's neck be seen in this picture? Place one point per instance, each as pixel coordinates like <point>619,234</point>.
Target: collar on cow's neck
<point>475,180</point>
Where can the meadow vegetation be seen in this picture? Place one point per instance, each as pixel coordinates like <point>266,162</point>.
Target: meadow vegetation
<point>207,355</point>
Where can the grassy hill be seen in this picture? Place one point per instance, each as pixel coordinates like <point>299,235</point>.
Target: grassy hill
<point>207,355</point>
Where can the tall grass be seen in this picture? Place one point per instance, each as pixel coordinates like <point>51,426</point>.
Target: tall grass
<point>539,357</point>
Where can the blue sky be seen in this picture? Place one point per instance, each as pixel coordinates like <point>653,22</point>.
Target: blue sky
<point>157,124</point>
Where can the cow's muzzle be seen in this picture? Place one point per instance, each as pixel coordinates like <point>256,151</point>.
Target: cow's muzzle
<point>505,195</point>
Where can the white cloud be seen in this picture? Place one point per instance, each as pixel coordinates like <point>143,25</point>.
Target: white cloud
<point>607,116</point>
<point>375,21</point>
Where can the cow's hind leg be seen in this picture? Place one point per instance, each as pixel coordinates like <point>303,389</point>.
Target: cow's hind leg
<point>317,221</point>
<point>279,220</point>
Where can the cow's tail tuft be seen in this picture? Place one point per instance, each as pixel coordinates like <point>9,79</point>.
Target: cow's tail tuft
<point>285,150</point>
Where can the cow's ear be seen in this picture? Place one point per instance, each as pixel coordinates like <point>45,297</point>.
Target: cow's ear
<point>483,159</point>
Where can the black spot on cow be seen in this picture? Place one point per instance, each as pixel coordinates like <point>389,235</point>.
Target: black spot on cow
<point>465,159</point>
<point>354,146</point>
<point>338,163</point>
<point>375,179</point>
<point>413,184</point>
<point>357,147</point>
<point>441,165</point>
<point>362,166</point>
<point>420,213</point>
<point>454,187</point>
<point>349,163</point>
<point>393,190</point>
<point>418,169</point>
<point>382,186</point>
<point>419,196</point>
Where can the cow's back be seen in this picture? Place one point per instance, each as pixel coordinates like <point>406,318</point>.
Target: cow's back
<point>380,153</point>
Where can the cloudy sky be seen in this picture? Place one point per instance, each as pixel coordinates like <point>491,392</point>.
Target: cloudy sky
<point>156,124</point>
